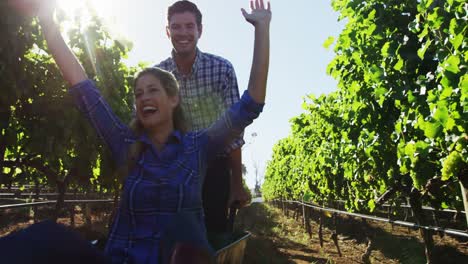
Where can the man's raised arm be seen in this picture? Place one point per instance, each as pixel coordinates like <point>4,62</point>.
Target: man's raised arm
<point>260,17</point>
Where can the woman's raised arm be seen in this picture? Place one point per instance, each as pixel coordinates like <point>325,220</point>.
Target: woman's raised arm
<point>87,97</point>
<point>68,64</point>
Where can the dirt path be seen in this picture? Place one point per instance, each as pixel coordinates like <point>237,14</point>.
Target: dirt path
<point>279,239</point>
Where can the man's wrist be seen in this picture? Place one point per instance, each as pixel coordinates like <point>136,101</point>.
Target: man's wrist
<point>262,25</point>
<point>236,180</point>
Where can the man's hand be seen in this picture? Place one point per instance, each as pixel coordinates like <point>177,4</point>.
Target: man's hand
<point>259,15</point>
<point>238,196</point>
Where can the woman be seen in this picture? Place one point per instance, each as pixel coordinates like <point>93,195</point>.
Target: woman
<point>161,199</point>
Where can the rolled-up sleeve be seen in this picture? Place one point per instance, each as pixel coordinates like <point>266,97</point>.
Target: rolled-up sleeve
<point>230,97</point>
<point>115,134</point>
<point>231,125</point>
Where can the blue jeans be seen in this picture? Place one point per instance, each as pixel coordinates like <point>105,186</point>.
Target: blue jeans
<point>216,194</point>
<point>48,242</point>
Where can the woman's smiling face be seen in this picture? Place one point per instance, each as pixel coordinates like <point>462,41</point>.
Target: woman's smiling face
<point>154,107</point>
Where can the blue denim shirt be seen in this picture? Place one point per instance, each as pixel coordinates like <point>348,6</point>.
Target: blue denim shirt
<point>164,184</point>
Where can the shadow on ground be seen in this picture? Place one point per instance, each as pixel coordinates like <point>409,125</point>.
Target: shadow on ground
<point>396,245</point>
<point>402,244</point>
<point>264,246</point>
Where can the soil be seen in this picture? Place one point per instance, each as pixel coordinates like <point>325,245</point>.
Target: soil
<point>277,238</point>
<point>280,239</point>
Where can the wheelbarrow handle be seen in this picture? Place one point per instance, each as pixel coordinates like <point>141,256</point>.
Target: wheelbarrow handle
<point>232,215</point>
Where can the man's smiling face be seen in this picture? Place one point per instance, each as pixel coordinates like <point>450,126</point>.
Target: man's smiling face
<point>184,33</point>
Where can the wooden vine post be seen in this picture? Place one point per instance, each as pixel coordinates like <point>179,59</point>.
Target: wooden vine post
<point>320,231</point>
<point>369,236</point>
<point>283,207</point>
<point>416,206</point>
<point>62,186</point>
<point>60,199</point>
<point>87,214</point>
<point>72,215</point>
<point>37,191</point>
<point>72,210</point>
<point>307,222</point>
<point>298,212</point>
<point>464,191</point>
<point>334,235</point>
<point>305,219</point>
<point>303,214</point>
<point>389,216</point>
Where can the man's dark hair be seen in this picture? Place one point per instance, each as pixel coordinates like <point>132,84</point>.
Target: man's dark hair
<point>184,6</point>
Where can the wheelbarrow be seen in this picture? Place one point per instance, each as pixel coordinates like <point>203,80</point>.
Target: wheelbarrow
<point>230,248</point>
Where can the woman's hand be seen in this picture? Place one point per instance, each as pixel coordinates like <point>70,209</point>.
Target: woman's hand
<point>70,67</point>
<point>44,9</point>
<point>259,15</point>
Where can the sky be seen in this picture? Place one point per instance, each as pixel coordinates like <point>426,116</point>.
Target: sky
<point>298,60</point>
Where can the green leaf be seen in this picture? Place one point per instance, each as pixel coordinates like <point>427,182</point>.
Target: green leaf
<point>446,83</point>
<point>411,97</point>
<point>328,42</point>
<point>431,97</point>
<point>432,129</point>
<point>446,92</point>
<point>355,87</point>
<point>457,40</point>
<point>423,49</point>
<point>399,64</point>
<point>464,84</point>
<point>421,146</point>
<point>453,26</point>
<point>423,33</point>
<point>450,124</point>
<point>384,49</point>
<point>371,205</point>
<point>398,127</point>
<point>371,29</point>
<point>410,149</point>
<point>452,63</point>
<point>380,91</point>
<point>428,3</point>
<point>357,58</point>
<point>435,19</point>
<point>455,115</point>
<point>371,15</point>
<point>376,73</point>
<point>441,115</point>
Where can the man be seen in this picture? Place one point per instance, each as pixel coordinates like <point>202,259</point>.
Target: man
<point>208,86</point>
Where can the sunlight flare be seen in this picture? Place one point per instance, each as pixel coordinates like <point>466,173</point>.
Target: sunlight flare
<point>111,13</point>
<point>104,8</point>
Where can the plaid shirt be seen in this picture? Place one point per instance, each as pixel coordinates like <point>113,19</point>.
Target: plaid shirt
<point>207,92</point>
<point>165,185</point>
